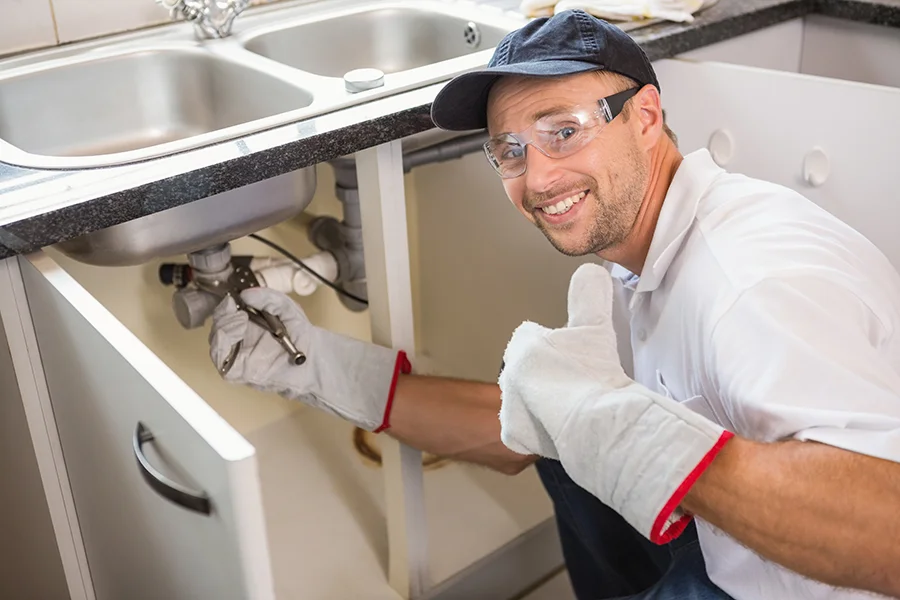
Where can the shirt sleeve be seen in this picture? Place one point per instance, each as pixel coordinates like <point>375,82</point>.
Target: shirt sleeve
<point>805,358</point>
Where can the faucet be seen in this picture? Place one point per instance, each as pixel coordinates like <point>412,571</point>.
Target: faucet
<point>211,18</point>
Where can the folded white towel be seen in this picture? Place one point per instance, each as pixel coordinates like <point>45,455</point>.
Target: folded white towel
<point>624,10</point>
<point>537,8</point>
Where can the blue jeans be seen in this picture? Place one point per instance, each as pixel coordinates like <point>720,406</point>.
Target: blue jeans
<point>608,559</point>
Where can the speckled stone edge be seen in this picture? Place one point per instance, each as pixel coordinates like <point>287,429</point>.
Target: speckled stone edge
<point>665,40</point>
<point>33,233</point>
<point>866,11</point>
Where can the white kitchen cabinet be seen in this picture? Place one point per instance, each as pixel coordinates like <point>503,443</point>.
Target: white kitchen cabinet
<point>796,130</point>
<point>297,512</point>
<point>166,492</point>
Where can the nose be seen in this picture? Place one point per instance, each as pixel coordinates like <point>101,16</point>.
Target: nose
<point>541,171</point>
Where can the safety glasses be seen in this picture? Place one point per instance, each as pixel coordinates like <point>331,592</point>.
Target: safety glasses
<point>556,135</point>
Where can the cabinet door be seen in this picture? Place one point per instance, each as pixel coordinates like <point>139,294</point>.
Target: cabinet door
<point>165,492</point>
<point>834,141</point>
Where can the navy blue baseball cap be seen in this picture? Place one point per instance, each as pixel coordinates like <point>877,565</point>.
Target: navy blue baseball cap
<point>567,43</point>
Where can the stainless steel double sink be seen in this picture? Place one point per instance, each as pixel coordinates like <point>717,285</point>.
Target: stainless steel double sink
<point>153,93</point>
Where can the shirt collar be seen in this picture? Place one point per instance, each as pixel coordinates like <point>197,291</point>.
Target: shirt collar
<point>692,179</point>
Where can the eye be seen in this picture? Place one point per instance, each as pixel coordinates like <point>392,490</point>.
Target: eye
<point>565,132</point>
<point>511,152</point>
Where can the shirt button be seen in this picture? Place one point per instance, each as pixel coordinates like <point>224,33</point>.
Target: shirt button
<point>642,334</point>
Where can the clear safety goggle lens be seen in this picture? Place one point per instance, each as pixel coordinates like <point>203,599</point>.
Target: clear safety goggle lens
<point>557,135</point>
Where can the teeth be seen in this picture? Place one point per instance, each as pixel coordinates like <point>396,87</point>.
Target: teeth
<point>563,205</point>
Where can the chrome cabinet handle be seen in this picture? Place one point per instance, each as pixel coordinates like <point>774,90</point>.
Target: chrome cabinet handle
<point>165,487</point>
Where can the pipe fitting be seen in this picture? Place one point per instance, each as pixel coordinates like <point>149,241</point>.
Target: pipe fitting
<point>343,239</point>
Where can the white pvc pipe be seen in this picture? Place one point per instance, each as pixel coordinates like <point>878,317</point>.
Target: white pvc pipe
<point>288,277</point>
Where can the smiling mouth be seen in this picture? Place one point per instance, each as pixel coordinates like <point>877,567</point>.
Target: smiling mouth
<point>564,206</point>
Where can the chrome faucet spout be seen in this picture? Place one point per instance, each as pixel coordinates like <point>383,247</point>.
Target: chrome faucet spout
<point>212,19</point>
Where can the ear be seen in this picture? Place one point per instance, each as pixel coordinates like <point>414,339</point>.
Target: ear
<point>647,107</point>
<point>590,296</point>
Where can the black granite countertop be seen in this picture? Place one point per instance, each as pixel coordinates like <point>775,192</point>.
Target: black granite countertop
<point>40,208</point>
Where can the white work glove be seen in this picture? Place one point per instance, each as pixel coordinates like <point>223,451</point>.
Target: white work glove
<point>566,396</point>
<point>346,377</point>
<point>681,11</point>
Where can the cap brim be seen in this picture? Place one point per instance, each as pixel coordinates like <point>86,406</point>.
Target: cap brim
<point>461,105</point>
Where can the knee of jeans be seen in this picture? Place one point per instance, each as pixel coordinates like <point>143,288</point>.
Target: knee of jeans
<point>554,476</point>
<point>550,472</point>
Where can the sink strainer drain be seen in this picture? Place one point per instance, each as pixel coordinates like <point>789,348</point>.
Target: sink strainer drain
<point>472,35</point>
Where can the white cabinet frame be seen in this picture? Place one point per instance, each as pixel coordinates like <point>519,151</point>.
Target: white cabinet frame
<point>15,318</point>
<point>382,200</point>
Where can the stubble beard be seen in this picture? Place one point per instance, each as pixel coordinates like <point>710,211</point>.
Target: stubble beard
<point>612,216</point>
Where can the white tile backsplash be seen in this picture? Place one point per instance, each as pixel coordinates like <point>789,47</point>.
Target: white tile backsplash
<point>25,24</point>
<point>31,24</point>
<point>81,19</point>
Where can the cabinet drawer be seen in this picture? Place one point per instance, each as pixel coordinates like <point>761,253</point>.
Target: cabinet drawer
<point>322,501</point>
<point>834,141</point>
<point>166,493</point>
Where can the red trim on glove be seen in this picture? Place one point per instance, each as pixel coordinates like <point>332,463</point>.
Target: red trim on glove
<point>657,535</point>
<point>401,366</point>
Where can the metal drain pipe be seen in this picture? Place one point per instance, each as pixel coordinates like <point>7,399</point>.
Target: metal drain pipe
<point>343,239</point>
<point>449,150</point>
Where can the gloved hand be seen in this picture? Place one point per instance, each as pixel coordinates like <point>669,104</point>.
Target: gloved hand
<point>565,395</point>
<point>346,377</point>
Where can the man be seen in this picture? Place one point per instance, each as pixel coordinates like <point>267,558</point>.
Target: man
<point>754,455</point>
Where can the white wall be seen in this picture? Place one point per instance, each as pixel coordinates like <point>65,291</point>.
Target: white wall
<point>31,24</point>
<point>26,24</point>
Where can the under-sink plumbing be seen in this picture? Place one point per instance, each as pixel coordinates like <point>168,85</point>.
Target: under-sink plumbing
<point>211,273</point>
<point>210,276</point>
<point>343,239</point>
<point>339,263</point>
<point>212,19</point>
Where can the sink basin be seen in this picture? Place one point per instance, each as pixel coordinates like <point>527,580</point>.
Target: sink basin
<point>391,39</point>
<point>136,100</point>
<point>206,222</point>
<point>152,93</point>
<point>142,95</point>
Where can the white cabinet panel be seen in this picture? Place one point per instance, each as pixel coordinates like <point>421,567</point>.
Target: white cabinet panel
<point>777,120</point>
<point>102,384</point>
<point>849,50</point>
<point>776,47</point>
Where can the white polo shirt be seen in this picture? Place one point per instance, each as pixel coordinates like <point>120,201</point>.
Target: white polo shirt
<point>774,319</point>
